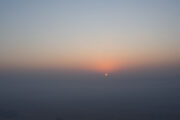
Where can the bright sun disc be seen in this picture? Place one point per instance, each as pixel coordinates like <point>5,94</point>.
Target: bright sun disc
<point>106,74</point>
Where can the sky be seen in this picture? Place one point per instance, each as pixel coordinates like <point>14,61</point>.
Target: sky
<point>98,35</point>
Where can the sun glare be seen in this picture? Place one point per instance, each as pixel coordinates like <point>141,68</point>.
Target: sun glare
<point>105,66</point>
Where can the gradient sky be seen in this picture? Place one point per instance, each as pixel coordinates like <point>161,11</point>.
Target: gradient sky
<point>88,34</point>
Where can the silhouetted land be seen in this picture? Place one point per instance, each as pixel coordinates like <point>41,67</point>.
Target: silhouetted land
<point>130,95</point>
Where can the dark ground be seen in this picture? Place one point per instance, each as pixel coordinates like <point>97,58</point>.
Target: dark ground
<point>129,95</point>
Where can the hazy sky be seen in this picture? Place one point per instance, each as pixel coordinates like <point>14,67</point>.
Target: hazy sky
<point>88,34</point>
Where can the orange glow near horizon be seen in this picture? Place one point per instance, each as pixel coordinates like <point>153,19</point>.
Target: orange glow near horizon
<point>105,65</point>
<point>110,65</point>
<point>100,65</point>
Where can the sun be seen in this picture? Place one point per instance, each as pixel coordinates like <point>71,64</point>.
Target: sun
<point>105,74</point>
<point>108,76</point>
